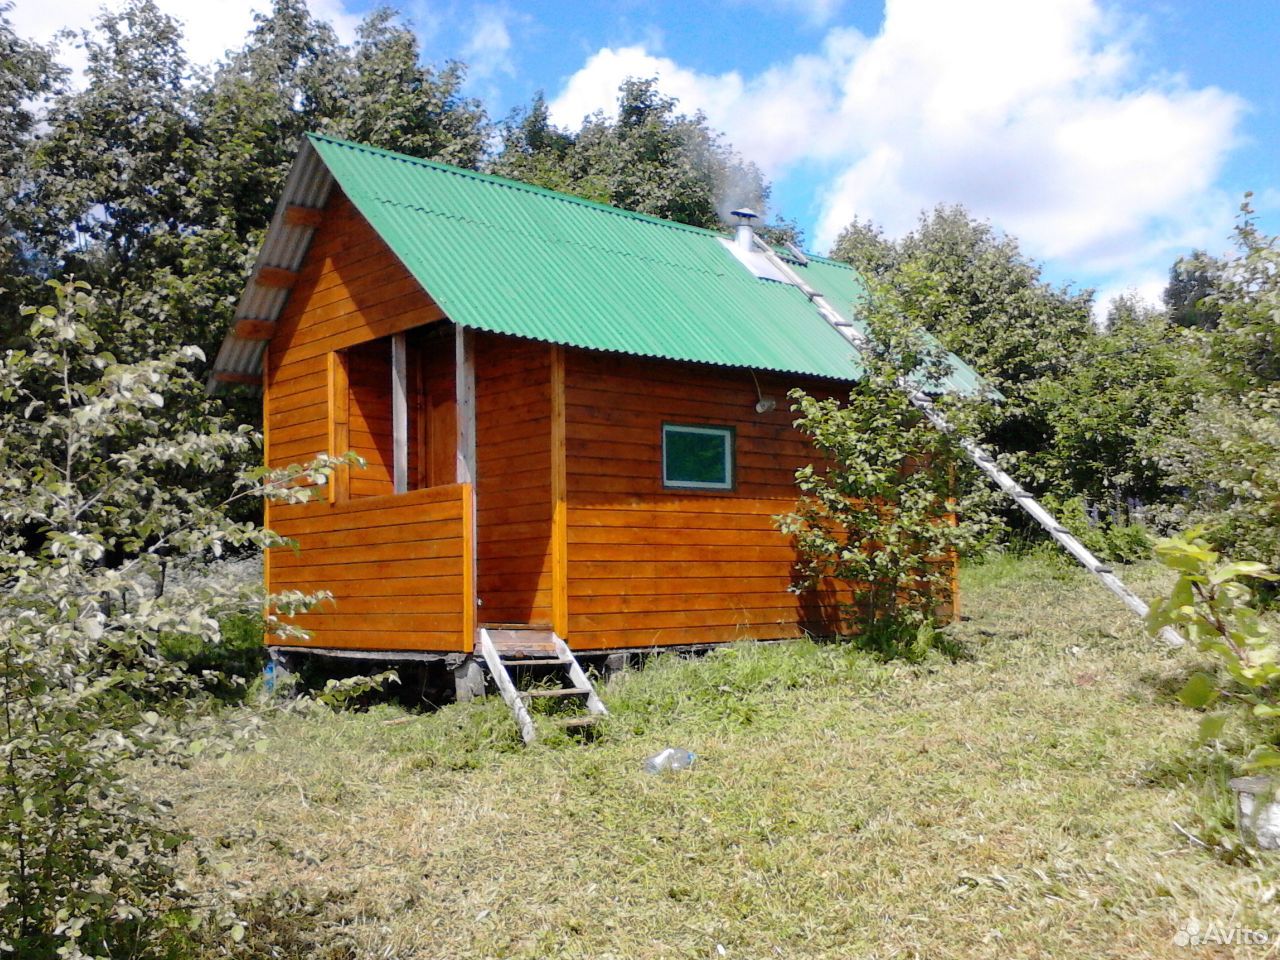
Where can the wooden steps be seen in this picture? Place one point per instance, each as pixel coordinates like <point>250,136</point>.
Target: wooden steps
<point>503,648</point>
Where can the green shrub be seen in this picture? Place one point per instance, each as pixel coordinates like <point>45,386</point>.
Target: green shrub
<point>883,513</point>
<point>92,499</point>
<point>1107,536</point>
<point>1213,606</point>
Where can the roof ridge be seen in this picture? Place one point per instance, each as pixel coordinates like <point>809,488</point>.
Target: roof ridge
<point>537,191</point>
<point>515,184</point>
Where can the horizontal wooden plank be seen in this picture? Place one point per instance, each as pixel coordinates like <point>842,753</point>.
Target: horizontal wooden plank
<point>311,413</point>
<point>379,640</point>
<point>394,604</point>
<point>369,536</point>
<point>380,622</point>
<point>683,619</point>
<point>299,451</point>
<point>308,430</point>
<point>519,512</point>
<point>312,556</point>
<point>586,365</point>
<point>628,586</point>
<point>585,523</point>
<point>678,636</point>
<point>314,393</point>
<point>367,487</point>
<point>642,540</point>
<point>449,586</point>
<point>442,501</point>
<point>370,324</point>
<point>355,321</point>
<point>321,518</point>
<point>694,553</point>
<point>505,568</point>
<point>684,602</point>
<point>497,433</point>
<point>317,574</point>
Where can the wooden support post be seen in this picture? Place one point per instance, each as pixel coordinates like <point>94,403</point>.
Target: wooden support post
<point>469,603</point>
<point>399,415</point>
<point>468,680</point>
<point>339,425</point>
<point>559,505</point>
<point>266,462</point>
<point>465,378</point>
<point>464,373</point>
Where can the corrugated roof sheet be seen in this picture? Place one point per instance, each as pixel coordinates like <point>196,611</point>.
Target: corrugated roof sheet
<point>507,257</point>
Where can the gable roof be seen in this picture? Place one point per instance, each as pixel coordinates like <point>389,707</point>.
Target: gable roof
<point>510,258</point>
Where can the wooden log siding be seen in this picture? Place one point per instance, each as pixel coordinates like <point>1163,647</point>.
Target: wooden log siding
<point>652,566</point>
<point>351,289</point>
<point>513,479</point>
<point>398,568</point>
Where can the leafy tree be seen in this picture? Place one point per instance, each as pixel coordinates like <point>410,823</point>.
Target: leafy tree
<point>28,76</point>
<point>1228,455</point>
<point>389,99</point>
<point>647,157</point>
<point>1109,412</point>
<point>880,512</point>
<point>88,865</point>
<point>110,173</point>
<point>535,151</point>
<point>1081,407</point>
<point>1186,295</point>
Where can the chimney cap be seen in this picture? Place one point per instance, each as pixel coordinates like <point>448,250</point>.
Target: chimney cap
<point>746,213</point>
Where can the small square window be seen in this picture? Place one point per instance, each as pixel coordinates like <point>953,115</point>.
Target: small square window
<point>699,458</point>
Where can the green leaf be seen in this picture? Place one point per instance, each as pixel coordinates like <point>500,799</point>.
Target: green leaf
<point>1199,691</point>
<point>1240,568</point>
<point>1265,757</point>
<point>1211,726</point>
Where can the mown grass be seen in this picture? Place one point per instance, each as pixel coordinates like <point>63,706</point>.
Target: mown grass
<point>1018,802</point>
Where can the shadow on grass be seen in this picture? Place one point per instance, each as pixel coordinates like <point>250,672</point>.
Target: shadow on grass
<point>232,666</point>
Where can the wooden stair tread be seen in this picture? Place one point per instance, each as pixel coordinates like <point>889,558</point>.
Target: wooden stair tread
<point>497,658</point>
<point>556,692</point>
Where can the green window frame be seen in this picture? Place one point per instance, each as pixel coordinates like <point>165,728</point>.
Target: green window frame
<point>697,456</point>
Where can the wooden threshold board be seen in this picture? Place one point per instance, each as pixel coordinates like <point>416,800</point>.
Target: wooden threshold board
<point>522,641</point>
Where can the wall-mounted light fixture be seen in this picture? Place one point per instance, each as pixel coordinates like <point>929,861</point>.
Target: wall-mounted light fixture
<point>763,404</point>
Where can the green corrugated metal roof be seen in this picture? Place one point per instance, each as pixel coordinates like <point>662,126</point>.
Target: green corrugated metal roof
<point>510,258</point>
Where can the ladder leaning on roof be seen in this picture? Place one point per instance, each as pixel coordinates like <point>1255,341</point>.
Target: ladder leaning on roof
<point>985,462</point>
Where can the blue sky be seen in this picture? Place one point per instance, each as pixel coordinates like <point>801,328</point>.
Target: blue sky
<point>1109,137</point>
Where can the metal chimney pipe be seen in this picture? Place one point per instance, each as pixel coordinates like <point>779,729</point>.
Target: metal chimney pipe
<point>744,233</point>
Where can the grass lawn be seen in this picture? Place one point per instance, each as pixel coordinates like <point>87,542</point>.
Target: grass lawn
<point>1021,802</point>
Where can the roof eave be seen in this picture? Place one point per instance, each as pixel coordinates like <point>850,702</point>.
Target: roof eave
<point>284,247</point>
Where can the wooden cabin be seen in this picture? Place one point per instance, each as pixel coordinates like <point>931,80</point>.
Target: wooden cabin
<point>574,417</point>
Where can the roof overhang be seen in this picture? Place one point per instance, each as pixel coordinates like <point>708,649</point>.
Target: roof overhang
<point>306,191</point>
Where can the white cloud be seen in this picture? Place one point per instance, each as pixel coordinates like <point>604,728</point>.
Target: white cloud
<point>211,27</point>
<point>488,50</point>
<point>1034,115</point>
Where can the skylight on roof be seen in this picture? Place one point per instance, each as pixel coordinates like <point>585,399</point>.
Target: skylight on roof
<point>756,262</point>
